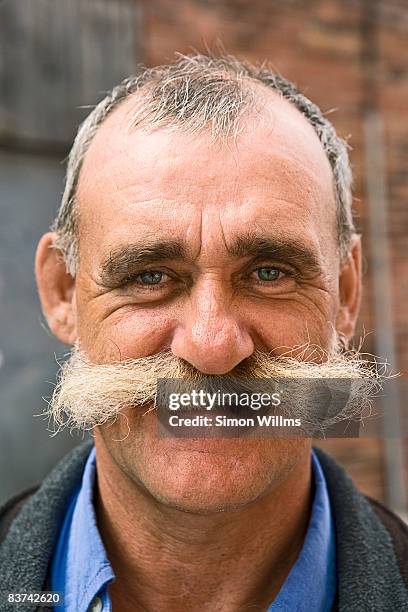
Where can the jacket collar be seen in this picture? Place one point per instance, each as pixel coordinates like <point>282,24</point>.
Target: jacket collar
<point>368,573</point>
<point>28,546</point>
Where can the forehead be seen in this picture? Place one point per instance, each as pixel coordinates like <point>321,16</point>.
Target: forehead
<point>134,183</point>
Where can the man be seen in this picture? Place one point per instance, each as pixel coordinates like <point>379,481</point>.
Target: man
<point>205,230</point>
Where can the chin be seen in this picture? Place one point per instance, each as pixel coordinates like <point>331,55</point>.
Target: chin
<point>198,475</point>
<point>206,476</point>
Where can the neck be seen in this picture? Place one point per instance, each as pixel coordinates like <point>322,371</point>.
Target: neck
<point>169,560</point>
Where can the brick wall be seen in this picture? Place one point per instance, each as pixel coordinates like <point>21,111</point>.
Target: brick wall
<point>335,51</point>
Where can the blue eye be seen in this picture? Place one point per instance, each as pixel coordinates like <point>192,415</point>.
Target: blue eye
<point>150,277</point>
<point>267,274</point>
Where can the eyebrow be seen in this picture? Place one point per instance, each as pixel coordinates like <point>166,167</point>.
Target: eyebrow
<point>124,260</point>
<point>285,250</point>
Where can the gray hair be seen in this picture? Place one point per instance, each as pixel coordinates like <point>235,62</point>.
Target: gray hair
<point>195,92</point>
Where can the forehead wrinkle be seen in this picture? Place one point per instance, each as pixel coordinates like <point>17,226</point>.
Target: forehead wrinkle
<point>214,221</point>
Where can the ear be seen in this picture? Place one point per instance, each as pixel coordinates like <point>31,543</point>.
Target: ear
<point>56,288</point>
<point>349,291</point>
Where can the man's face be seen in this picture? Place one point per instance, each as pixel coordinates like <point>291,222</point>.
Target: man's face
<point>210,251</point>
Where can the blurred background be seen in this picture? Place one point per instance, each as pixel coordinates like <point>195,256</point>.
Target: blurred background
<point>58,58</point>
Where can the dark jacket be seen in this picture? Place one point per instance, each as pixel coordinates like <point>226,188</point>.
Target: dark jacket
<point>372,543</point>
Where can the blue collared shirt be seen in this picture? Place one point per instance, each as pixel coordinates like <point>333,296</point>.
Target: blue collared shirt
<point>81,571</point>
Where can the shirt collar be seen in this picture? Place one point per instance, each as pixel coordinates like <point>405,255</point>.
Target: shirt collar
<point>311,583</point>
<point>81,570</point>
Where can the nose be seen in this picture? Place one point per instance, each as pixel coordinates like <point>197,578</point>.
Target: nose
<point>210,335</point>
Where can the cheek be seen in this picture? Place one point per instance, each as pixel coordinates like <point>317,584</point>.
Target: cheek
<point>128,334</point>
<point>285,324</point>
